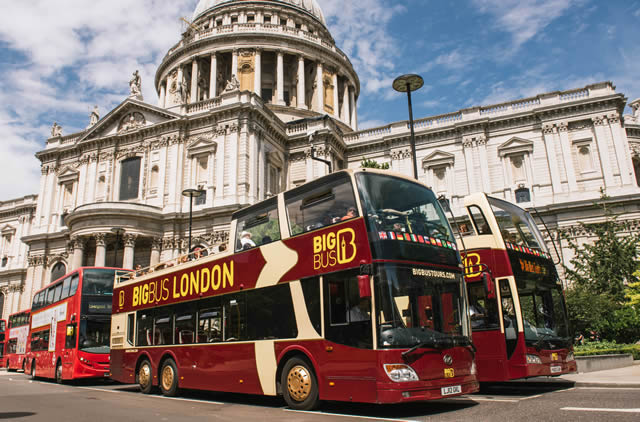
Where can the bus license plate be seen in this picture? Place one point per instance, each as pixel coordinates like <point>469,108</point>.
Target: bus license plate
<point>555,369</point>
<point>454,389</point>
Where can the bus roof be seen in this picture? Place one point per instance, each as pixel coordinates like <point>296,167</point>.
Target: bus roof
<point>74,271</point>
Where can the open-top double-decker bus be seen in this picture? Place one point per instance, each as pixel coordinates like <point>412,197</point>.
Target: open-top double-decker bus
<point>516,301</point>
<point>70,326</point>
<point>347,288</point>
<point>16,341</point>
<point>3,327</point>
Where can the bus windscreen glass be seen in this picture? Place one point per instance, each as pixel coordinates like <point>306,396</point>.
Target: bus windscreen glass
<point>516,225</point>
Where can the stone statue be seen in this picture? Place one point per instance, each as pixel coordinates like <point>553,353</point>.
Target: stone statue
<point>135,85</point>
<point>203,87</point>
<point>94,116</point>
<point>636,110</point>
<point>233,84</point>
<point>56,130</point>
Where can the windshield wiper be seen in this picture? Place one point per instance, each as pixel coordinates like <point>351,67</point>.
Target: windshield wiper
<point>444,343</point>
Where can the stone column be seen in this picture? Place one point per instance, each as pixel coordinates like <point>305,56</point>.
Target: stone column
<point>213,77</point>
<point>319,88</point>
<point>78,252</point>
<point>481,142</point>
<point>156,246</point>
<point>163,94</point>
<point>181,86</point>
<point>603,149</point>
<point>194,80</point>
<point>302,90</point>
<point>234,63</point>
<point>353,108</point>
<point>565,145</point>
<point>467,148</point>
<point>280,77</point>
<point>101,249</point>
<point>547,135</point>
<point>336,98</point>
<point>129,246</point>
<point>622,149</point>
<point>345,102</point>
<point>257,73</point>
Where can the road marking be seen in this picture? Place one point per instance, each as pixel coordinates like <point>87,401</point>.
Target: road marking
<point>593,409</point>
<point>99,389</point>
<point>607,388</point>
<point>348,416</point>
<point>531,397</point>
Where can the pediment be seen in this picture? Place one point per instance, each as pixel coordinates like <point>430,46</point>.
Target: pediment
<point>131,115</point>
<point>438,158</point>
<point>515,145</point>
<point>202,145</point>
<point>8,230</point>
<point>67,174</point>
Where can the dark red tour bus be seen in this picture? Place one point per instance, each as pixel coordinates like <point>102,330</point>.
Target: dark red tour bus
<point>70,325</point>
<point>16,341</point>
<point>347,288</point>
<point>516,302</point>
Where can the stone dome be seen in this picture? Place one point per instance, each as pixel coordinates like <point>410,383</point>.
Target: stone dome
<point>309,6</point>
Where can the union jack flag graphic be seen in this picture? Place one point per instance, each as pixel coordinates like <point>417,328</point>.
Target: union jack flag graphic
<point>383,235</point>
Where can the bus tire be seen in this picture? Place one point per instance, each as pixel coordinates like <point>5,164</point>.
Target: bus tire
<point>33,369</point>
<point>145,377</point>
<point>299,385</point>
<point>59,379</point>
<point>8,369</point>
<point>169,378</point>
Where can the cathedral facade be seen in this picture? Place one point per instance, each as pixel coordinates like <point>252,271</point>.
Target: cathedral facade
<point>251,92</point>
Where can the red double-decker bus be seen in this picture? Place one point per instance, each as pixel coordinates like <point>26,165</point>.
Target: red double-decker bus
<point>16,342</point>
<point>70,325</point>
<point>347,288</point>
<point>3,327</point>
<point>516,302</point>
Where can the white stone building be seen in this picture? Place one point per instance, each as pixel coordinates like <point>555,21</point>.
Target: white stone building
<point>238,98</point>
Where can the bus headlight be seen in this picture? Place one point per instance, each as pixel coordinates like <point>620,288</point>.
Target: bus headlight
<point>400,373</point>
<point>570,356</point>
<point>533,359</point>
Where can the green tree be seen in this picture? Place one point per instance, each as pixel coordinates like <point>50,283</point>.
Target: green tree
<point>373,164</point>
<point>633,292</point>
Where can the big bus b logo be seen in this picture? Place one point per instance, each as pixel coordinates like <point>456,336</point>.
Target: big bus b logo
<point>334,248</point>
<point>121,299</point>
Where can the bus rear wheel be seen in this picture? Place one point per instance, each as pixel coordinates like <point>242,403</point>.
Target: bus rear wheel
<point>59,379</point>
<point>145,377</point>
<point>33,369</point>
<point>169,378</point>
<point>299,385</point>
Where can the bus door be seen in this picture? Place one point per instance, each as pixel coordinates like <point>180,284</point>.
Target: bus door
<point>487,335</point>
<point>509,306</point>
<point>350,366</point>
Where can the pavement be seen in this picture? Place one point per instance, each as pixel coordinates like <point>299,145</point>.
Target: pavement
<point>627,377</point>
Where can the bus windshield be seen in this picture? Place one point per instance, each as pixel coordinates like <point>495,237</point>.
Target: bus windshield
<point>2,326</point>
<point>94,334</point>
<point>98,282</point>
<point>516,225</point>
<point>404,220</point>
<point>544,315</point>
<point>419,306</point>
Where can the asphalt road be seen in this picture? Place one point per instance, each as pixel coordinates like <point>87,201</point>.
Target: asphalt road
<point>24,400</point>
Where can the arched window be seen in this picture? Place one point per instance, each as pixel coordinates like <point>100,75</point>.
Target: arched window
<point>129,178</point>
<point>58,271</point>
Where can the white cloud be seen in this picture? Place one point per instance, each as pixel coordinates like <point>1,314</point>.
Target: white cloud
<point>524,19</point>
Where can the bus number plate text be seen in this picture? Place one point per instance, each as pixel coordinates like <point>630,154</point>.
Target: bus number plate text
<point>555,369</point>
<point>453,389</point>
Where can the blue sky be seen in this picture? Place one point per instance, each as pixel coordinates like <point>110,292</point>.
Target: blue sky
<point>60,58</point>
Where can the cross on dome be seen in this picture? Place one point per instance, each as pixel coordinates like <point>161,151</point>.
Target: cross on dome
<point>309,6</point>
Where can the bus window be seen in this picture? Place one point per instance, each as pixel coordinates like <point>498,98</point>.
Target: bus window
<point>269,314</point>
<point>235,317</point>
<point>57,293</point>
<point>210,324</point>
<point>74,284</point>
<point>314,206</point>
<point>508,316</point>
<point>479,220</point>
<point>483,311</point>
<point>144,323</point>
<point>50,293</point>
<point>259,226</point>
<point>311,291</point>
<point>131,319</point>
<point>185,325</point>
<point>349,315</point>
<point>163,327</point>
<point>70,340</point>
<point>66,287</point>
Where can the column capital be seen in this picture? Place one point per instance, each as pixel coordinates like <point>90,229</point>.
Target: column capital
<point>77,242</point>
<point>599,120</point>
<point>156,243</point>
<point>563,127</point>
<point>258,50</point>
<point>548,129</point>
<point>129,239</point>
<point>100,239</point>
<point>613,118</point>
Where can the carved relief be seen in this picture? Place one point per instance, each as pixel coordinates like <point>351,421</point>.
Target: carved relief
<point>131,121</point>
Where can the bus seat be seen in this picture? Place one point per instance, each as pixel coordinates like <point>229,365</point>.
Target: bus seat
<point>185,337</point>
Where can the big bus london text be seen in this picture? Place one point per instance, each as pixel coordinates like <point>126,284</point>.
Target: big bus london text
<point>70,326</point>
<point>518,314</point>
<point>346,288</point>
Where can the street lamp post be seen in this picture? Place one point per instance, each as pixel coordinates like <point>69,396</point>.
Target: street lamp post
<point>408,83</point>
<point>191,193</point>
<point>118,231</point>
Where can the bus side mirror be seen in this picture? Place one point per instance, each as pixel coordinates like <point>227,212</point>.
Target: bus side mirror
<point>364,286</point>
<point>489,285</point>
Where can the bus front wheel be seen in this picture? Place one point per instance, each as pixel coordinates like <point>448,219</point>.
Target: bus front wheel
<point>145,377</point>
<point>33,369</point>
<point>59,379</point>
<point>169,378</point>
<point>299,385</point>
